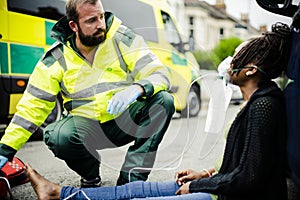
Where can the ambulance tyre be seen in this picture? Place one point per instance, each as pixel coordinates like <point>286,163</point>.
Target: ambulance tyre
<point>194,102</point>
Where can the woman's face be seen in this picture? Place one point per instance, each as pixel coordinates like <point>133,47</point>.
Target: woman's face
<point>240,75</point>
<point>237,77</point>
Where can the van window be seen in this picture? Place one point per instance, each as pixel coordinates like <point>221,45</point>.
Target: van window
<point>53,9</point>
<point>171,33</point>
<point>139,16</point>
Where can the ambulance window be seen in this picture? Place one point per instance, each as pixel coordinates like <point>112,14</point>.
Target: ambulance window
<point>53,9</point>
<point>171,33</point>
<point>139,16</point>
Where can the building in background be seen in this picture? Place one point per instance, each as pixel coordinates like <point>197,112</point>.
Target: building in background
<point>178,10</point>
<point>207,24</point>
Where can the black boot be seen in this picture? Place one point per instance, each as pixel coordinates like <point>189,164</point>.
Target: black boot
<point>96,182</point>
<point>121,181</point>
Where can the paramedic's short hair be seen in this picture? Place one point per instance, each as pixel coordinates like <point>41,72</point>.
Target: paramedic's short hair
<point>71,8</point>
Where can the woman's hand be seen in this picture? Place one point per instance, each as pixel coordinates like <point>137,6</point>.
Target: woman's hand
<point>184,189</point>
<point>185,176</point>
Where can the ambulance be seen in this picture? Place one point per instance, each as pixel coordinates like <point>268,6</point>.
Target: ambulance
<point>25,36</point>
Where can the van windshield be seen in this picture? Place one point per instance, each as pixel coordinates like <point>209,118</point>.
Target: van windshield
<point>53,9</point>
<point>136,15</point>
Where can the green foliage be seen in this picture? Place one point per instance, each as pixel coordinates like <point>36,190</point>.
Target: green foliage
<point>204,60</point>
<point>211,59</point>
<point>225,48</point>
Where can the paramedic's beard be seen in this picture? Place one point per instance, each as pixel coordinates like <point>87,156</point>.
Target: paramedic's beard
<point>92,40</point>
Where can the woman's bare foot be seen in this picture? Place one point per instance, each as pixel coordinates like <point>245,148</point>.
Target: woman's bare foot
<point>44,189</point>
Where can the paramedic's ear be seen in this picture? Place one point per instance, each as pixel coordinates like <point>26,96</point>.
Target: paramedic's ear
<point>73,26</point>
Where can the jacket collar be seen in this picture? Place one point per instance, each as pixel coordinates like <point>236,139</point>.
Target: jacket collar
<point>62,32</point>
<point>268,88</point>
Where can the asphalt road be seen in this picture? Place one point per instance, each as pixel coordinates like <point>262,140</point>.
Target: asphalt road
<point>185,145</point>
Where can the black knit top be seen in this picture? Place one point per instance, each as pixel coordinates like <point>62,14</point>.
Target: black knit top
<point>254,158</point>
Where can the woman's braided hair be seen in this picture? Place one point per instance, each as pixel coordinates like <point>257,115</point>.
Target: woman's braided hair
<point>270,51</point>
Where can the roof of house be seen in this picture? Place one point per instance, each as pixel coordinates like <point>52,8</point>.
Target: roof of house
<point>218,13</point>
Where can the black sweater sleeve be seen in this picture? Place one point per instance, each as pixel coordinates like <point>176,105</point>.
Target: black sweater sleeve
<point>256,157</point>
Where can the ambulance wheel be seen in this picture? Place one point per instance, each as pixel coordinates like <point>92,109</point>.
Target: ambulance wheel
<point>194,102</point>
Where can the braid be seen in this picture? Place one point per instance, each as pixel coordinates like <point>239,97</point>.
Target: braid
<point>270,51</point>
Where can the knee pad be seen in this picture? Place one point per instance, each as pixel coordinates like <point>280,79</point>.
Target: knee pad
<point>60,137</point>
<point>167,101</point>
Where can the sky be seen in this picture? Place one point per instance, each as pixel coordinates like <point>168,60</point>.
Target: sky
<point>257,15</point>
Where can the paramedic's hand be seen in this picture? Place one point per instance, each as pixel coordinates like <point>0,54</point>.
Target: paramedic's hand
<point>122,99</point>
<point>3,160</point>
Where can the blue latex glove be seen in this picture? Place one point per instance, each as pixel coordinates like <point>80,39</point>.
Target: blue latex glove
<point>122,99</point>
<point>3,160</point>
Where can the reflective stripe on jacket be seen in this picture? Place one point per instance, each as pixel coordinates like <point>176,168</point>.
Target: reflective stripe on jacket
<point>121,60</point>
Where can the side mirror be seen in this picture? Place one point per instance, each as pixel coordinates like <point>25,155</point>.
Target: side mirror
<point>281,7</point>
<point>179,46</point>
<point>274,3</point>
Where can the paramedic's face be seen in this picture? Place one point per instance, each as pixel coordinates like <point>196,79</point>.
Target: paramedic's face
<point>91,24</point>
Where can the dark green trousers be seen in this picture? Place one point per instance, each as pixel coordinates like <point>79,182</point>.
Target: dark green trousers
<point>75,139</point>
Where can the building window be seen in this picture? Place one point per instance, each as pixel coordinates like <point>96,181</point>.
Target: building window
<point>191,33</point>
<point>192,40</point>
<point>221,31</point>
<point>221,35</point>
<point>191,20</point>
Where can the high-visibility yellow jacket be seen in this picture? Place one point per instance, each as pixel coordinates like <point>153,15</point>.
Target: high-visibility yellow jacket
<point>121,60</point>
